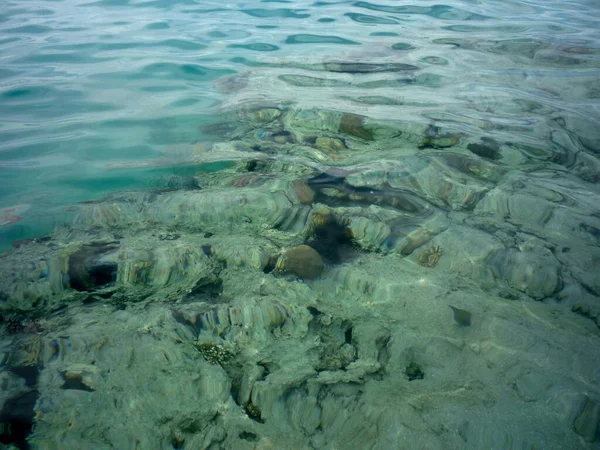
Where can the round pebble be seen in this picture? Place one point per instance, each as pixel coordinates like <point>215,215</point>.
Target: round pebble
<point>303,261</point>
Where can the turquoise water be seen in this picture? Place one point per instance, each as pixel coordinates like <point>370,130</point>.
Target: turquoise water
<point>165,164</point>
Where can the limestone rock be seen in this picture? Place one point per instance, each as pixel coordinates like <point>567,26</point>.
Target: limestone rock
<point>303,261</point>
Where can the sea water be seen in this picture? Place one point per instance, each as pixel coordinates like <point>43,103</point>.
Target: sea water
<point>293,224</point>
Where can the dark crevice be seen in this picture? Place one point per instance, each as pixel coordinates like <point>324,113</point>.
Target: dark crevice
<point>181,319</point>
<point>414,372</point>
<point>177,443</point>
<point>249,436</point>
<point>488,148</point>
<point>383,353</point>
<point>251,165</point>
<point>235,390</point>
<point>314,312</point>
<point>207,250</point>
<point>266,372</point>
<point>86,271</point>
<point>348,335</point>
<point>74,382</point>
<point>17,419</point>
<point>29,373</point>
<point>206,289</point>
<point>332,241</point>
<point>270,266</point>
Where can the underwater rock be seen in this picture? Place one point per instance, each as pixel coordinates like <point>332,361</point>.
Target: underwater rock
<point>248,180</point>
<point>264,205</point>
<point>206,289</point>
<point>474,168</point>
<point>584,131</point>
<point>587,167</point>
<point>283,137</point>
<point>171,263</point>
<point>354,372</point>
<point>25,351</point>
<point>309,120</point>
<point>280,137</point>
<point>467,250</point>
<point>30,277</point>
<point>583,261</point>
<point>438,179</point>
<point>143,264</point>
<point>554,210</point>
<point>261,116</point>
<point>240,252</point>
<point>305,410</point>
<point>302,261</point>
<point>412,236</point>
<point>488,148</point>
<point>331,146</point>
<point>303,192</point>
<point>384,229</point>
<point>531,384</point>
<point>587,421</point>
<point>369,234</point>
<point>535,272</point>
<point>251,317</point>
<point>353,124</point>
<point>232,207</point>
<point>351,191</point>
<point>295,222</point>
<point>250,375</point>
<point>306,122</point>
<point>435,138</point>
<point>109,213</point>
<point>518,207</point>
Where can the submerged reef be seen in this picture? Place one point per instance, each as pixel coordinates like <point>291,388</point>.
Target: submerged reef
<point>370,275</point>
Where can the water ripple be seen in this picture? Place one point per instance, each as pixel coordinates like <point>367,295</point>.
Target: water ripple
<point>92,80</point>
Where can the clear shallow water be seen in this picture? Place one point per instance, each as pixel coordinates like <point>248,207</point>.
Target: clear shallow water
<point>444,153</point>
